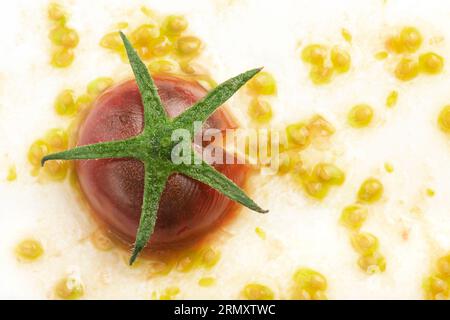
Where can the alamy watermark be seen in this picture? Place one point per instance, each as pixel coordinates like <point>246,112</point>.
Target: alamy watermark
<point>231,146</point>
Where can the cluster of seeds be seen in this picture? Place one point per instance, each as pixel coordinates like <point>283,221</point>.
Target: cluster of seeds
<point>29,250</point>
<point>201,258</point>
<point>54,140</point>
<point>353,218</point>
<point>318,180</point>
<point>66,104</point>
<point>262,85</point>
<point>323,176</point>
<point>294,139</point>
<point>406,44</point>
<point>308,285</point>
<point>163,42</point>
<point>437,286</point>
<point>326,62</point>
<point>63,38</point>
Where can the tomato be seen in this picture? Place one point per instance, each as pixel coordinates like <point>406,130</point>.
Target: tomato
<point>113,188</point>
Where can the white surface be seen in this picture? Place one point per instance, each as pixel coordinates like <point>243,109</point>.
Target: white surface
<point>239,35</point>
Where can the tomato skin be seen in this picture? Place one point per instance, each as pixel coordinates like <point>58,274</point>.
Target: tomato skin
<point>114,187</point>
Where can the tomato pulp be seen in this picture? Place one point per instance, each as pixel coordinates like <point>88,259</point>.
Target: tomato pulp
<point>188,209</point>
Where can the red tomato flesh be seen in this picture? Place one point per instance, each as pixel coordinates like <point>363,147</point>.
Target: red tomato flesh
<point>114,187</point>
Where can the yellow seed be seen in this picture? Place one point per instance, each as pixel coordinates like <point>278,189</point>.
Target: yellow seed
<point>12,174</point>
<point>382,55</point>
<point>298,135</point>
<point>56,13</point>
<point>341,60</point>
<point>354,216</point>
<point>160,268</point>
<point>309,285</point>
<point>144,52</point>
<point>65,103</point>
<point>444,119</point>
<point>371,264</point>
<point>37,151</point>
<point>321,75</point>
<point>122,25</point>
<point>395,45</point>
<point>187,262</point>
<point>315,188</point>
<point>162,66</point>
<point>298,167</point>
<point>29,250</point>
<point>329,173</point>
<point>360,116</point>
<point>187,67</point>
<point>256,291</point>
<point>310,280</point>
<point>346,35</point>
<point>210,258</point>
<point>436,288</point>
<point>64,36</point>
<point>161,46</point>
<point>57,139</point>
<point>285,163</point>
<point>56,170</point>
<point>69,288</point>
<point>391,99</point>
<point>207,282</point>
<point>112,41</point>
<point>319,126</point>
<point>170,293</point>
<point>188,46</point>
<point>443,266</point>
<point>62,57</point>
<point>410,39</point>
<point>260,110</point>
<point>263,83</point>
<point>370,191</point>
<point>174,25</point>
<point>101,241</point>
<point>431,193</point>
<point>314,54</point>
<point>407,69</point>
<point>319,295</point>
<point>83,102</point>
<point>261,233</point>
<point>365,244</point>
<point>147,11</point>
<point>144,35</point>
<point>388,167</point>
<point>431,63</point>
<point>99,85</point>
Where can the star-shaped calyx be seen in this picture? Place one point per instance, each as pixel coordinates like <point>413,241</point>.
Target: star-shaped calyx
<point>154,146</point>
